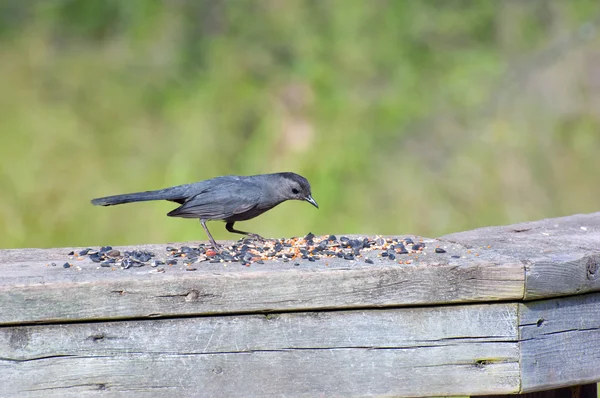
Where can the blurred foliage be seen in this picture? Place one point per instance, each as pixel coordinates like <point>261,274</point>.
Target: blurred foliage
<point>407,116</point>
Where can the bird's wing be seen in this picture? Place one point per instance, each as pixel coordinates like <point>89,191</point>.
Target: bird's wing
<point>221,202</point>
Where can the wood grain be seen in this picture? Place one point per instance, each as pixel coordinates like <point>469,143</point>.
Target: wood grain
<point>404,352</point>
<point>93,294</point>
<point>561,255</point>
<point>480,319</point>
<point>560,342</point>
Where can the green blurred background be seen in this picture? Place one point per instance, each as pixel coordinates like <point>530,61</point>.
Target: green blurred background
<point>407,116</point>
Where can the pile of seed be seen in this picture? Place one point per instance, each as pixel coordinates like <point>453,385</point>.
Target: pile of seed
<point>106,256</point>
<point>248,251</point>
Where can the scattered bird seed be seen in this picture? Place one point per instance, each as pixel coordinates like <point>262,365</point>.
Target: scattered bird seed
<point>310,236</point>
<point>113,253</point>
<point>248,251</point>
<point>156,263</point>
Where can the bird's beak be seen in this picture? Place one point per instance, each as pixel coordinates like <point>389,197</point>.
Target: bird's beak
<point>310,200</point>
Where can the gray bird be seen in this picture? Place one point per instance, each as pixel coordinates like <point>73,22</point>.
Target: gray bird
<point>226,198</point>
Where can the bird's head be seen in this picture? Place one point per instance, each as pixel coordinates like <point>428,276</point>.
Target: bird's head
<point>295,187</point>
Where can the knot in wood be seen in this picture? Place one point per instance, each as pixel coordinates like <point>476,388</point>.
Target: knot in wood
<point>96,337</point>
<point>592,268</point>
<point>192,295</point>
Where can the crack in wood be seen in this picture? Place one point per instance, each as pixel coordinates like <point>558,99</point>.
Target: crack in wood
<point>102,387</point>
<point>485,339</point>
<point>537,323</point>
<point>42,358</point>
<point>241,352</point>
<point>519,230</point>
<point>97,387</point>
<point>191,295</point>
<point>478,363</point>
<point>543,336</point>
<point>101,337</point>
<point>569,331</point>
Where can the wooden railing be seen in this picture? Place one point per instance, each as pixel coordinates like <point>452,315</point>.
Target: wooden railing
<point>500,310</point>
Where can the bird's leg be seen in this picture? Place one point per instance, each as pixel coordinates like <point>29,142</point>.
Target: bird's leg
<point>212,240</point>
<point>229,227</point>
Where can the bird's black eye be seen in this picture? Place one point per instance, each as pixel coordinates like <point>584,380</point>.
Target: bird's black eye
<point>295,191</point>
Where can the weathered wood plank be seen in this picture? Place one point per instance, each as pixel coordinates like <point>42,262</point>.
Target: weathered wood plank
<point>342,372</point>
<point>406,327</point>
<point>384,338</point>
<point>560,342</point>
<point>562,255</point>
<point>532,260</point>
<point>446,350</point>
<point>557,339</point>
<point>33,292</point>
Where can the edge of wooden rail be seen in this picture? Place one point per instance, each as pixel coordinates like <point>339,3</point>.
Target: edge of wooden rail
<point>561,255</point>
<point>531,260</point>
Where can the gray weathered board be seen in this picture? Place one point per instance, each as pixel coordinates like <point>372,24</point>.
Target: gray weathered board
<point>438,326</point>
<point>534,260</point>
<point>468,349</point>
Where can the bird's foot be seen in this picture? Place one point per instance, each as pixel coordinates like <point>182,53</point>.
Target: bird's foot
<point>254,237</point>
<point>216,247</point>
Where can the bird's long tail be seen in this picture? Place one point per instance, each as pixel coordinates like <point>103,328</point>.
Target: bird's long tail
<point>162,194</point>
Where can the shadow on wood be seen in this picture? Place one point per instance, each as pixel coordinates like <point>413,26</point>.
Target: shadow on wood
<point>585,391</point>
